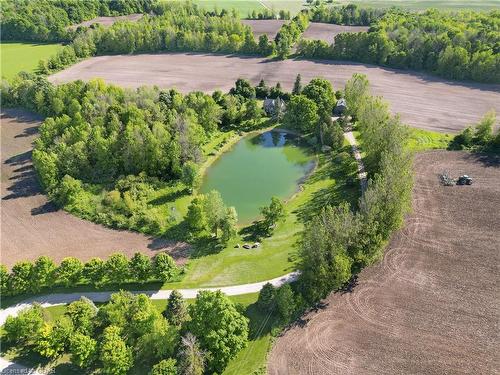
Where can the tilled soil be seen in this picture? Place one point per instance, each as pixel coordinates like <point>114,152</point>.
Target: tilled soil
<point>261,27</point>
<point>423,101</point>
<point>31,226</point>
<point>327,31</point>
<point>431,305</point>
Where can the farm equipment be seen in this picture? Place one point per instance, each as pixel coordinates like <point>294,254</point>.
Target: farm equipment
<point>464,180</point>
<point>446,180</point>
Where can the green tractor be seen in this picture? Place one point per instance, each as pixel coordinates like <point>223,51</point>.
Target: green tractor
<point>464,180</point>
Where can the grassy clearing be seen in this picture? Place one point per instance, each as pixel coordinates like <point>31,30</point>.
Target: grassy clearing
<point>17,57</point>
<point>421,140</point>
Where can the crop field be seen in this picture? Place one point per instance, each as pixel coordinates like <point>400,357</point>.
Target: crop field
<point>430,306</point>
<point>17,57</point>
<point>31,226</point>
<point>327,31</point>
<point>261,27</point>
<point>422,100</point>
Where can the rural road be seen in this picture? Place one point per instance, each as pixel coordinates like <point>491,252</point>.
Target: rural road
<point>8,367</point>
<point>64,298</point>
<point>357,155</point>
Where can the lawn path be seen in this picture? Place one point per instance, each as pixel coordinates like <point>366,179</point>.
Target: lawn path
<point>357,155</point>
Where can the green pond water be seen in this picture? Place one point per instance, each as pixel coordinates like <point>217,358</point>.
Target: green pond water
<point>257,168</point>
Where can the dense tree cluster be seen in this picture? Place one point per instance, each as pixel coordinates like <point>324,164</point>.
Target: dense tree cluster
<point>310,111</point>
<point>461,45</point>
<point>124,144</point>
<point>289,34</point>
<point>129,332</point>
<point>480,137</point>
<point>207,213</point>
<point>32,277</point>
<point>46,20</point>
<point>269,14</point>
<point>350,14</point>
<point>339,241</point>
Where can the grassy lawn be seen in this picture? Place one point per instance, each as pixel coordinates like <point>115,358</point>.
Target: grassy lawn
<point>17,57</point>
<point>329,183</point>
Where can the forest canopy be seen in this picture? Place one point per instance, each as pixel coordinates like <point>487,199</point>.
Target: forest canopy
<point>462,45</point>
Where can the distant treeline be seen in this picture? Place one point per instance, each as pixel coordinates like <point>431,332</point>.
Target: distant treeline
<point>269,14</point>
<point>47,20</point>
<point>176,27</point>
<point>460,45</point>
<point>351,15</point>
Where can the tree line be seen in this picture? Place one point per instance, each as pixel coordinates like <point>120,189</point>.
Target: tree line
<point>460,45</point>
<point>130,333</point>
<point>48,21</point>
<point>176,26</point>
<point>269,14</point>
<point>289,33</point>
<point>33,277</point>
<point>338,241</point>
<point>480,137</point>
<point>351,14</point>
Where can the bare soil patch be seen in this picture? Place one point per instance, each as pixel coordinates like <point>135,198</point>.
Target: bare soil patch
<point>327,31</point>
<point>431,305</point>
<point>261,27</point>
<point>108,21</point>
<point>422,100</point>
<point>31,226</point>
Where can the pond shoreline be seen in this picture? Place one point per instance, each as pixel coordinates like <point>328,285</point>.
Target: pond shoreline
<point>308,167</point>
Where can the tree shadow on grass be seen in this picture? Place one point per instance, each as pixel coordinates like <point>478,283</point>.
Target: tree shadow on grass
<point>254,232</point>
<point>169,197</point>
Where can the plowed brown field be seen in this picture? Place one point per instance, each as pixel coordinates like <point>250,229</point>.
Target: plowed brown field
<point>31,226</point>
<point>328,31</point>
<point>431,306</point>
<point>422,100</point>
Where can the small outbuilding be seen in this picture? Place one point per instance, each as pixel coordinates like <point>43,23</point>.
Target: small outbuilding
<point>340,107</point>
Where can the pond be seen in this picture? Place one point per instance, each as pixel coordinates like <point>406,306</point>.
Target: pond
<point>257,168</point>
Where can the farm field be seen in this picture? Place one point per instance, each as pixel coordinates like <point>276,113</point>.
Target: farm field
<point>422,100</point>
<point>17,57</point>
<point>327,31</point>
<point>261,27</point>
<point>31,226</point>
<point>424,4</point>
<point>431,305</point>
<point>107,21</point>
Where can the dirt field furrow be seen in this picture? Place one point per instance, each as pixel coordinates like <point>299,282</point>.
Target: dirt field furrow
<point>328,31</point>
<point>431,305</point>
<point>422,100</point>
<point>31,226</point>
